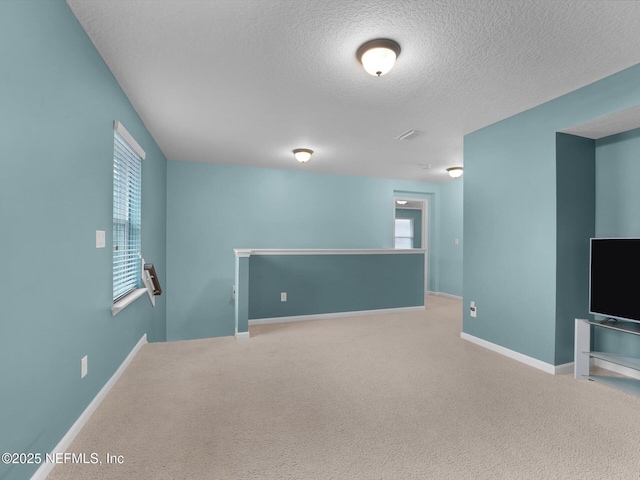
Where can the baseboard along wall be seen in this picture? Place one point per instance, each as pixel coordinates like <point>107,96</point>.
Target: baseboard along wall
<point>448,295</point>
<point>61,447</point>
<point>321,316</point>
<point>527,360</point>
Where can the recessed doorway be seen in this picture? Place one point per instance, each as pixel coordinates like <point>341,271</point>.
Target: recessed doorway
<point>410,231</point>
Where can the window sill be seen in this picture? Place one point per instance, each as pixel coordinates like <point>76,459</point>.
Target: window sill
<point>126,301</point>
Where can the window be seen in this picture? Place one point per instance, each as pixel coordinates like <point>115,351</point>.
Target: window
<point>127,196</point>
<point>404,233</point>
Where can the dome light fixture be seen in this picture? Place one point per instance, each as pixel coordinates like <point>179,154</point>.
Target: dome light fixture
<point>455,172</point>
<point>378,56</point>
<point>302,154</point>
<point>402,202</point>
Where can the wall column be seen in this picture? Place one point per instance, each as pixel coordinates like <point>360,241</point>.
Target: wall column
<point>242,293</point>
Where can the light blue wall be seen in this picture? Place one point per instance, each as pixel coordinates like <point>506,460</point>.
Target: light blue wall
<point>617,185</point>
<point>416,215</point>
<point>575,223</point>
<point>510,216</point>
<point>318,284</point>
<point>617,212</point>
<point>59,101</point>
<point>451,228</point>
<point>213,209</point>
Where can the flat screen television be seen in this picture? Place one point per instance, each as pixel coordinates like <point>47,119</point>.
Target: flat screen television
<point>614,278</point>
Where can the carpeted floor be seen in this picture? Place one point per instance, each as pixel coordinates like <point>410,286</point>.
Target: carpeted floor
<point>376,397</point>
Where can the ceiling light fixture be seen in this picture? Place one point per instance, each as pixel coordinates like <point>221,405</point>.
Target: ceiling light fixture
<point>455,172</point>
<point>402,202</point>
<point>302,154</point>
<point>378,56</point>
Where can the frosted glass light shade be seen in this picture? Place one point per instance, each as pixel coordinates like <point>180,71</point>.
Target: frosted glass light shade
<point>302,154</point>
<point>455,172</point>
<point>378,56</point>
<point>378,61</point>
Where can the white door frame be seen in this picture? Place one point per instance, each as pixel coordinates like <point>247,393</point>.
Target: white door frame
<point>425,231</point>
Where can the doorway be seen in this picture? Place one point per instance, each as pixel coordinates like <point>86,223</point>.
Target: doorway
<point>410,228</point>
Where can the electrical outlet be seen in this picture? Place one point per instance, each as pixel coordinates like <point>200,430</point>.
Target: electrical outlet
<point>283,296</point>
<point>456,241</point>
<point>84,367</point>
<point>472,310</point>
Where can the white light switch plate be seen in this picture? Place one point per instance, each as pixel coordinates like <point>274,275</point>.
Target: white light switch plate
<point>84,367</point>
<point>283,296</point>
<point>100,239</point>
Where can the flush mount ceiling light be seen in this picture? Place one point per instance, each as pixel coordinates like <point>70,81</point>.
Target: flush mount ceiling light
<point>402,202</point>
<point>378,56</point>
<point>455,172</point>
<point>302,154</point>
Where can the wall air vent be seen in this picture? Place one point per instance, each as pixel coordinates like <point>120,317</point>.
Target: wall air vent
<point>408,135</point>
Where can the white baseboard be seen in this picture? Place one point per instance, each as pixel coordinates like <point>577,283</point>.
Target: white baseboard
<point>61,447</point>
<point>242,335</point>
<point>564,368</point>
<point>627,372</point>
<point>448,295</point>
<point>321,316</point>
<point>527,360</point>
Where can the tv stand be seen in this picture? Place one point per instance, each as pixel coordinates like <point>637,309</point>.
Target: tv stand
<point>583,355</point>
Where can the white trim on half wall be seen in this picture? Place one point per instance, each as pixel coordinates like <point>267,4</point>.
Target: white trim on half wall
<point>247,252</point>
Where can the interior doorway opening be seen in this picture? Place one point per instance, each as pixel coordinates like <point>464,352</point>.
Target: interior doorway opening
<point>410,228</point>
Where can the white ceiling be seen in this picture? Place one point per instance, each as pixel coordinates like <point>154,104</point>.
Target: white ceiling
<point>246,81</point>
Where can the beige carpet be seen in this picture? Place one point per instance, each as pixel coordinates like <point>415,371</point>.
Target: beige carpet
<point>376,397</point>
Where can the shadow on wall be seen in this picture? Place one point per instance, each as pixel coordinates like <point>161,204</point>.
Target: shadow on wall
<point>213,296</point>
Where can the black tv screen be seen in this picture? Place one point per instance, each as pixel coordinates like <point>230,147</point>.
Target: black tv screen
<point>615,278</point>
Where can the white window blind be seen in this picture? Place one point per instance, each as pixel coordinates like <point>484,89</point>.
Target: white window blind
<point>127,196</point>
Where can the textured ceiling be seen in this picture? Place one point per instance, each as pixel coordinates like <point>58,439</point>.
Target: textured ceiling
<point>246,81</point>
